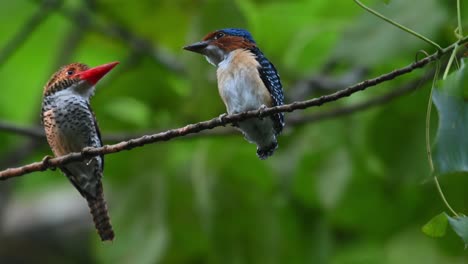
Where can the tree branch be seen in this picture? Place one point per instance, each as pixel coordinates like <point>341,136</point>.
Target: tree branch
<point>215,122</point>
<point>323,115</point>
<point>325,82</point>
<point>33,132</point>
<point>38,132</point>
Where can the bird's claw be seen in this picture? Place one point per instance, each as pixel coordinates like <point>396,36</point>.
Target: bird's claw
<point>46,159</point>
<point>222,117</point>
<point>84,153</point>
<point>85,150</point>
<point>261,111</point>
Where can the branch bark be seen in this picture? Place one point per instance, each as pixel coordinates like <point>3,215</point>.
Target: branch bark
<point>346,110</point>
<point>38,132</point>
<point>215,122</point>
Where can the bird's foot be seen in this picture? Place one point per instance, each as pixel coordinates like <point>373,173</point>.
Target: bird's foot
<point>221,118</point>
<point>85,150</point>
<point>46,159</point>
<point>261,111</point>
<point>84,153</point>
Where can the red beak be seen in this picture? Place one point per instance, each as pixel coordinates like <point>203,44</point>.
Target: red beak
<point>93,75</point>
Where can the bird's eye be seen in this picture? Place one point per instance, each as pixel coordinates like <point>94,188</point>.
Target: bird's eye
<point>219,35</point>
<point>70,72</point>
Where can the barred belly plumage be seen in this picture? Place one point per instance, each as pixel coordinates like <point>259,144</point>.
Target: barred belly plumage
<point>70,127</point>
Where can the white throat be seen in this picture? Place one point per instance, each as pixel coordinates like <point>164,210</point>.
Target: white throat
<point>79,89</point>
<point>214,55</point>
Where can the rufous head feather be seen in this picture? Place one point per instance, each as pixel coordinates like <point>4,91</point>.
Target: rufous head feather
<point>74,74</point>
<point>216,45</point>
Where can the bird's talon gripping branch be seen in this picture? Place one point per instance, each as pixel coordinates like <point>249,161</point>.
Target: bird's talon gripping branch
<point>45,160</point>
<point>261,111</point>
<point>85,151</point>
<point>222,118</point>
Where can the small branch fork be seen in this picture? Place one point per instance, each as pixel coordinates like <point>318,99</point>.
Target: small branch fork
<point>215,122</point>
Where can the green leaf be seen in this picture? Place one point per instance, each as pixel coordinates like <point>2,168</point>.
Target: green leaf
<point>437,226</point>
<point>460,226</point>
<point>451,144</point>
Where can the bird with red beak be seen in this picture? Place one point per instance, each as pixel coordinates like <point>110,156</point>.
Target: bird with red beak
<point>70,126</point>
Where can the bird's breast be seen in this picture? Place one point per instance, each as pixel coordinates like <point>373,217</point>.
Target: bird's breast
<point>69,125</point>
<point>239,83</point>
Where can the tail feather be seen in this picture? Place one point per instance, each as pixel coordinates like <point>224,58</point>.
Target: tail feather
<point>98,208</point>
<point>265,152</point>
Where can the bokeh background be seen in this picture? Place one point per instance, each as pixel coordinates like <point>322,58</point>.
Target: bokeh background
<point>353,188</point>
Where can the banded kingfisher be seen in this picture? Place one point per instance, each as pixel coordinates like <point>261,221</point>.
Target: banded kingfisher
<point>71,126</point>
<point>247,80</point>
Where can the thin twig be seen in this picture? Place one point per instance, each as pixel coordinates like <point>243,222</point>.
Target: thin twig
<point>398,25</point>
<point>346,110</point>
<point>215,122</point>
<point>459,20</point>
<point>294,122</point>
<point>442,195</point>
<point>325,82</point>
<point>33,132</point>
<point>38,132</point>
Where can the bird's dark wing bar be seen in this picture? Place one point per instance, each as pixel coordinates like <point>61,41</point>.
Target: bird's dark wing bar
<point>98,135</point>
<point>271,79</point>
<point>71,177</point>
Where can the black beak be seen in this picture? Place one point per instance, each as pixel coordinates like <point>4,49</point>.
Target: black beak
<point>197,47</point>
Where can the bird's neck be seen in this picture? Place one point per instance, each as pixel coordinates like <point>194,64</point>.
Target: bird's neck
<point>237,59</point>
<point>63,98</point>
<point>215,55</point>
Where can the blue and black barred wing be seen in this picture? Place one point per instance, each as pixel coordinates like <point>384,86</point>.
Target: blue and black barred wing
<point>271,79</point>
<point>98,132</point>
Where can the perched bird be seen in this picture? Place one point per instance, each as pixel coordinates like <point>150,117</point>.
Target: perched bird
<point>247,80</point>
<point>70,126</point>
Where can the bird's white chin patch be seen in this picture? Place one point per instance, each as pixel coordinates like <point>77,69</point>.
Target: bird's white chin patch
<point>210,61</point>
<point>84,89</point>
<point>214,55</point>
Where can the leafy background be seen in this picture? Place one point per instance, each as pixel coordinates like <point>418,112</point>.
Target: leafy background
<point>355,189</point>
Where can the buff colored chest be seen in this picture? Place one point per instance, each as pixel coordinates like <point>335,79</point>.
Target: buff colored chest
<point>239,83</point>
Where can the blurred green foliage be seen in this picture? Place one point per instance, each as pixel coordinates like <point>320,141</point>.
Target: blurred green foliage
<point>347,190</point>
<point>437,226</point>
<point>460,225</point>
<point>449,149</point>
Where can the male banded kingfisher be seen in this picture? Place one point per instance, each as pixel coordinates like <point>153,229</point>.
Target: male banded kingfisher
<point>70,126</point>
<point>247,80</point>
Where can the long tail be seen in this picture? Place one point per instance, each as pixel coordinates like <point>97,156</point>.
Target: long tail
<point>98,208</point>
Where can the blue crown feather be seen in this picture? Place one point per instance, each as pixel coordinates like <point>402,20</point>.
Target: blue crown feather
<point>238,32</point>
